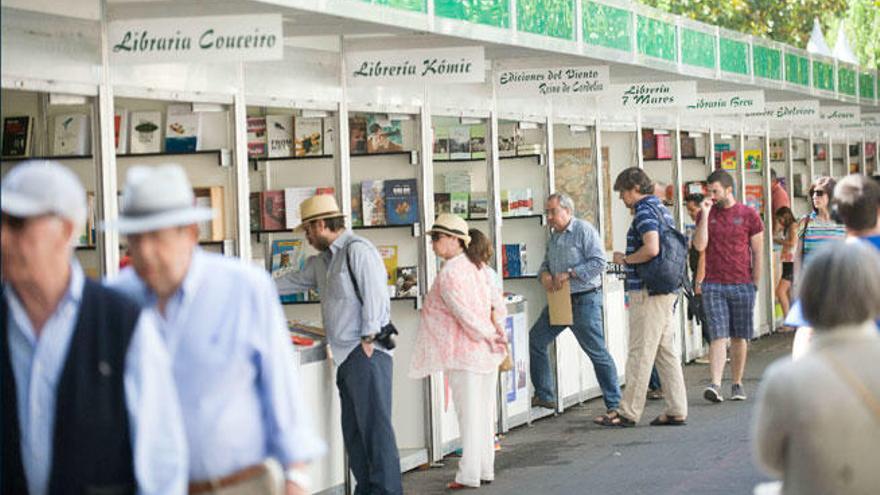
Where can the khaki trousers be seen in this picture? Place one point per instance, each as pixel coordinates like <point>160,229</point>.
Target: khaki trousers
<point>650,343</point>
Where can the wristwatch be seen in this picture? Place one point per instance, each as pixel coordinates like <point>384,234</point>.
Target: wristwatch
<point>298,478</point>
<point>368,339</point>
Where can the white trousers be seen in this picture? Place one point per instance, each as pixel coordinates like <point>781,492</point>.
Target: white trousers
<point>474,396</point>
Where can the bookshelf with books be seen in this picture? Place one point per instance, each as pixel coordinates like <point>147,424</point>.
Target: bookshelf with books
<point>800,176</point>
<point>839,159</point>
<point>461,169</point>
<point>870,146</point>
<point>695,168</point>
<point>821,157</point>
<point>754,164</point>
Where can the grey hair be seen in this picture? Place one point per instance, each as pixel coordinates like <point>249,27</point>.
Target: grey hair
<point>565,201</point>
<point>841,285</point>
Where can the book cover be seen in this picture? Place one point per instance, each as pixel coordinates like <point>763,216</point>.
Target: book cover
<point>478,205</point>
<point>181,132</point>
<point>289,254</point>
<point>407,283</point>
<point>513,263</point>
<point>457,181</point>
<point>728,160</point>
<point>213,131</point>
<point>17,136</point>
<point>649,144</point>
<point>325,190</point>
<point>272,212</point>
<point>752,159</point>
<point>279,135</point>
<point>401,201</point>
<point>442,203</point>
<point>373,202</point>
<point>329,136</point>
<point>205,225</point>
<point>254,209</point>
<point>72,135</point>
<point>820,151</point>
<point>146,132</point>
<point>478,141</point>
<point>383,135</point>
<point>870,150</point>
<point>357,135</point>
<point>256,137</point>
<point>459,142</point>
<point>309,133</point>
<point>120,130</point>
<point>508,139</point>
<point>664,146</point>
<point>696,187</point>
<point>357,215</point>
<point>211,197</point>
<point>293,197</point>
<point>505,202</point>
<point>87,234</point>
<point>389,257</point>
<point>777,151</point>
<point>529,149</point>
<point>441,143</point>
<point>754,197</point>
<point>688,147</point>
<point>458,203</point>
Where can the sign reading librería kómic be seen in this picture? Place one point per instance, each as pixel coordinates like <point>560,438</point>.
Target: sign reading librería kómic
<point>727,103</point>
<point>559,81</point>
<point>197,39</point>
<point>648,95</point>
<point>801,110</point>
<point>840,114</point>
<point>431,66</point>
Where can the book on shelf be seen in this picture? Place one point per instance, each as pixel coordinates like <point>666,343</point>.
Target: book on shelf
<point>820,151</point>
<point>213,131</point>
<point>17,133</point>
<point>254,208</point>
<point>799,185</point>
<point>529,149</point>
<point>854,150</point>
<point>478,205</point>
<point>523,202</point>
<point>87,234</point>
<point>272,212</point>
<point>696,187</point>
<point>256,137</point>
<point>120,130</point>
<point>777,151</point>
<point>329,136</point>
<point>478,141</point>
<point>508,139</point>
<point>853,167</point>
<point>211,197</point>
<point>754,197</point>
<point>513,260</point>
<point>181,129</point>
<point>505,202</point>
<point>72,135</point>
<point>442,203</point>
<point>293,197</point>
<point>441,143</point>
<point>664,146</point>
<point>357,211</point>
<point>459,180</point>
<point>752,159</point>
<point>688,147</point>
<point>401,201</point>
<point>308,136</point>
<point>870,150</point>
<point>798,149</point>
<point>407,281</point>
<point>373,202</point>
<point>728,160</point>
<point>146,132</point>
<point>649,144</point>
<point>357,134</point>
<point>383,134</point>
<point>459,142</point>
<point>389,258</point>
<point>279,135</point>
<point>458,203</point>
<point>289,254</point>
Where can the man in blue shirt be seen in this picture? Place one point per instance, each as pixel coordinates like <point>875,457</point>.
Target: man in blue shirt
<point>89,402</point>
<point>574,254</point>
<point>353,316</point>
<point>225,330</point>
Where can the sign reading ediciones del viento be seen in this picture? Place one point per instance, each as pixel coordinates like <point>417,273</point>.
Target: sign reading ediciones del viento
<point>553,82</point>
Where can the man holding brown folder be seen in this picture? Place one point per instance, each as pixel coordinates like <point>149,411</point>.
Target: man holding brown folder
<point>572,275</point>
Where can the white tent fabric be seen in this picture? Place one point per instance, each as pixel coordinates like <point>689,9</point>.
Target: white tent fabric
<point>842,49</point>
<point>817,42</point>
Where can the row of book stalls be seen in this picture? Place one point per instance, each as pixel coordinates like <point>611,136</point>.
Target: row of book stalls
<point>259,137</point>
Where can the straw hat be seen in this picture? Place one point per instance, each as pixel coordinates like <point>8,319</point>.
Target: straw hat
<point>318,207</point>
<point>452,225</point>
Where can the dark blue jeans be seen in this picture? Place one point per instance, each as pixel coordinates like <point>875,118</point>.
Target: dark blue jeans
<point>588,329</point>
<point>365,394</point>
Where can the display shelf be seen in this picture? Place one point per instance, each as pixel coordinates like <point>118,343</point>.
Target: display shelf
<point>219,154</point>
<point>257,161</point>
<point>656,159</point>
<point>298,303</point>
<point>46,157</point>
<point>461,160</point>
<point>799,160</point>
<point>90,247</point>
<point>406,298</point>
<point>539,216</point>
<point>261,232</point>
<point>538,156</point>
<point>413,227</point>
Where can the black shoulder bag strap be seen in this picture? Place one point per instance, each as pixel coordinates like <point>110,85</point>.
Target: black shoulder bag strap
<point>357,290</point>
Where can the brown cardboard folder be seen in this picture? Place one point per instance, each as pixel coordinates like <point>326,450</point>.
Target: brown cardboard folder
<point>559,305</point>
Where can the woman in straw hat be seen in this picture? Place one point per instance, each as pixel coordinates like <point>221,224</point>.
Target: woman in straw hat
<point>460,333</point>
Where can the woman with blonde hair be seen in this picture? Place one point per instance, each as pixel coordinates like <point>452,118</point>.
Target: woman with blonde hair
<point>460,334</point>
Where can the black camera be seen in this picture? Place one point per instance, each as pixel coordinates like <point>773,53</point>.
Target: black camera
<point>386,336</point>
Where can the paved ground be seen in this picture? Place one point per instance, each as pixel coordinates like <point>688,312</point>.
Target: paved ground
<point>568,454</point>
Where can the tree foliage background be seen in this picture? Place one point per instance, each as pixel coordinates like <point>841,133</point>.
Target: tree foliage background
<point>790,21</point>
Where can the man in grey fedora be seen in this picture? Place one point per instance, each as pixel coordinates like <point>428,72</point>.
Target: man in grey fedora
<point>88,396</point>
<point>221,319</point>
<point>350,276</point>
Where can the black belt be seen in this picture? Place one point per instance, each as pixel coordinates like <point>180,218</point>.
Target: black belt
<point>586,292</point>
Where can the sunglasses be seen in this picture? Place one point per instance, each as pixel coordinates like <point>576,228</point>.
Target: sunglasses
<point>14,223</point>
<point>817,192</point>
<point>436,236</point>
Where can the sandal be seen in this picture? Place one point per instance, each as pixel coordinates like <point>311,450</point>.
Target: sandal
<point>454,485</point>
<point>664,420</point>
<point>617,420</point>
<point>609,413</point>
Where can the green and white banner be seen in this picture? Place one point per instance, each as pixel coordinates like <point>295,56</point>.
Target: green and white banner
<point>648,95</point>
<point>552,82</point>
<point>726,103</point>
<point>422,66</point>
<point>800,110</point>
<point>849,114</point>
<point>197,39</point>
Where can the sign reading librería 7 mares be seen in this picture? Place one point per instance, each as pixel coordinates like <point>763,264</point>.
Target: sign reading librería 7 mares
<point>197,39</point>
<point>647,95</point>
<point>726,103</point>
<point>559,81</point>
<point>801,110</point>
<point>419,66</point>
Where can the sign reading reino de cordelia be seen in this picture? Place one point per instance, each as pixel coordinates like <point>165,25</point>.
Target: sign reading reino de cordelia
<point>558,81</point>
<point>727,103</point>
<point>419,66</point>
<point>197,39</point>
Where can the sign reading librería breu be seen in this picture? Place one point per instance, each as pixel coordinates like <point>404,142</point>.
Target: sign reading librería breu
<point>726,103</point>
<point>419,66</point>
<point>647,95</point>
<point>801,110</point>
<point>197,39</point>
<point>553,82</point>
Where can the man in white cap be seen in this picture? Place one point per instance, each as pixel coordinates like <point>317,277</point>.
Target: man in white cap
<point>232,358</point>
<point>355,307</point>
<point>88,397</point>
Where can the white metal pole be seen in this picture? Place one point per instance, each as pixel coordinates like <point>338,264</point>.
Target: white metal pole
<point>769,283</point>
<point>242,180</point>
<point>108,240</point>
<point>741,166</point>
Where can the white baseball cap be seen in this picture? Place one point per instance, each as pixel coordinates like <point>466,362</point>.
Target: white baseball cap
<point>41,187</point>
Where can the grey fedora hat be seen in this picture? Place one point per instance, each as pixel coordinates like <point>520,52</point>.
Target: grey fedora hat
<point>156,198</point>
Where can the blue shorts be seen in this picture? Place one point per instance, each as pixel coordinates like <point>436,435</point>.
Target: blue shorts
<point>730,310</point>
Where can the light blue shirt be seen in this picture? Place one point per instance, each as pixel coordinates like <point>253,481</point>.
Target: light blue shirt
<point>158,442</point>
<point>345,320</point>
<point>234,366</point>
<point>578,248</point>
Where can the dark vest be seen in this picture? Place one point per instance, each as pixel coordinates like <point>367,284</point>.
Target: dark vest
<point>91,441</point>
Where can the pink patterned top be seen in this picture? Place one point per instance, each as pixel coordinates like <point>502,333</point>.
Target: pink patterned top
<point>456,329</point>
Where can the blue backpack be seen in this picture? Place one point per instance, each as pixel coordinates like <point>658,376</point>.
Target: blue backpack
<point>666,272</point>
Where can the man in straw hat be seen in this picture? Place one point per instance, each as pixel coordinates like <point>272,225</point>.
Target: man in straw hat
<point>225,330</point>
<point>88,397</point>
<point>353,316</point>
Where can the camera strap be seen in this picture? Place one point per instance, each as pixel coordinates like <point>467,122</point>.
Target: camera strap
<point>354,283</point>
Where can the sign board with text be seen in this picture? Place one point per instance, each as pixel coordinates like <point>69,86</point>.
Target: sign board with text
<point>800,111</point>
<point>726,103</point>
<point>552,82</point>
<point>422,66</point>
<point>849,114</point>
<point>648,95</point>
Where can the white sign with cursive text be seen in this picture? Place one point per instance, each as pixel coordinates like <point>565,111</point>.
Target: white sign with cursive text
<point>801,110</point>
<point>726,103</point>
<point>432,66</point>
<point>553,82</point>
<point>647,95</point>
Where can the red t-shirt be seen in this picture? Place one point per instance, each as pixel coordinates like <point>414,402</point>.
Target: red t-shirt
<point>728,254</point>
<point>779,198</point>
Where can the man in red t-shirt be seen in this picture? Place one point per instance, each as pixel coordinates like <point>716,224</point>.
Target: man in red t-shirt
<point>778,196</point>
<point>731,234</point>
